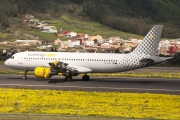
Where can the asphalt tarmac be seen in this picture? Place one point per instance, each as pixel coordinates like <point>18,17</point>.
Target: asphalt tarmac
<point>146,69</point>
<point>115,84</point>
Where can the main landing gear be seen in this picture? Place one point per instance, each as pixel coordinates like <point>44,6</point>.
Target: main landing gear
<point>25,75</point>
<point>68,77</point>
<point>85,77</point>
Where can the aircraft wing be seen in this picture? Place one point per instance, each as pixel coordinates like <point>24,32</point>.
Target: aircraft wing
<point>65,67</point>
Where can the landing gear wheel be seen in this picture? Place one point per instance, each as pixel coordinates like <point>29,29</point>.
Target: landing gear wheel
<point>68,79</point>
<point>85,78</point>
<point>24,77</point>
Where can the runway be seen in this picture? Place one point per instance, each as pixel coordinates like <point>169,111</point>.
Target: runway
<point>120,84</point>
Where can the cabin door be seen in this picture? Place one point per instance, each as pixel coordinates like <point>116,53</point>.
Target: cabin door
<point>20,61</point>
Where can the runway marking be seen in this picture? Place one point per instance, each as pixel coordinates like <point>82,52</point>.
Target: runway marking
<point>142,89</point>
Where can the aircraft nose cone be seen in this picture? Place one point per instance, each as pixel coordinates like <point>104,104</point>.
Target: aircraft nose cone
<point>6,63</point>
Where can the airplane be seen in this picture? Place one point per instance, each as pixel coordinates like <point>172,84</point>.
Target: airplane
<point>47,64</point>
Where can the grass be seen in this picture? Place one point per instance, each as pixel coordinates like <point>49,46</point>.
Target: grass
<point>44,36</point>
<point>3,35</point>
<point>89,27</point>
<point>3,47</point>
<point>141,74</point>
<point>65,22</point>
<point>108,104</point>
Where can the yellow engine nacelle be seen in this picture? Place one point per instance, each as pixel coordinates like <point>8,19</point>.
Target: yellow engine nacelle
<point>44,72</point>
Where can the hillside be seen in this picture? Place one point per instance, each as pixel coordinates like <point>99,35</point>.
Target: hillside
<point>129,16</point>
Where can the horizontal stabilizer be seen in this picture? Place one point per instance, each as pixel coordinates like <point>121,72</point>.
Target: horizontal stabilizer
<point>147,61</point>
<point>168,58</point>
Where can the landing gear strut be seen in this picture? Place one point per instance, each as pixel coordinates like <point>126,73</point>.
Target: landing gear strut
<point>85,77</point>
<point>68,78</point>
<point>25,75</point>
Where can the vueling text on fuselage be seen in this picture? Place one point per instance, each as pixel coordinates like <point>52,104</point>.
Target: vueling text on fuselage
<point>41,55</point>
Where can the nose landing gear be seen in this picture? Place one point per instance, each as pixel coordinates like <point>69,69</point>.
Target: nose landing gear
<point>25,75</point>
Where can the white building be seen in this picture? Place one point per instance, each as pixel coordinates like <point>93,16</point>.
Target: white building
<point>49,27</point>
<point>72,34</point>
<point>73,43</point>
<point>89,42</point>
<point>27,42</point>
<point>49,31</point>
<point>86,36</point>
<point>164,44</point>
<point>114,38</point>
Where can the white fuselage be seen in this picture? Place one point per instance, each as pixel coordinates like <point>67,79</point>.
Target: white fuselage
<point>96,62</point>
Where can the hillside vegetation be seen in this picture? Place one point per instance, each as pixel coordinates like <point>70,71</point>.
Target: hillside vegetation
<point>132,16</point>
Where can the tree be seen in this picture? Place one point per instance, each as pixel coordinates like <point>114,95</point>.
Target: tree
<point>4,21</point>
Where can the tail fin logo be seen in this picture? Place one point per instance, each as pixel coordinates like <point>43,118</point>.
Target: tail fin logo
<point>151,36</point>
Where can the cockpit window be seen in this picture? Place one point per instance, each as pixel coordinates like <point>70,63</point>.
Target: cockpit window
<point>12,57</point>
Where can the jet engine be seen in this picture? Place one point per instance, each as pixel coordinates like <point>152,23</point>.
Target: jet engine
<point>44,72</point>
